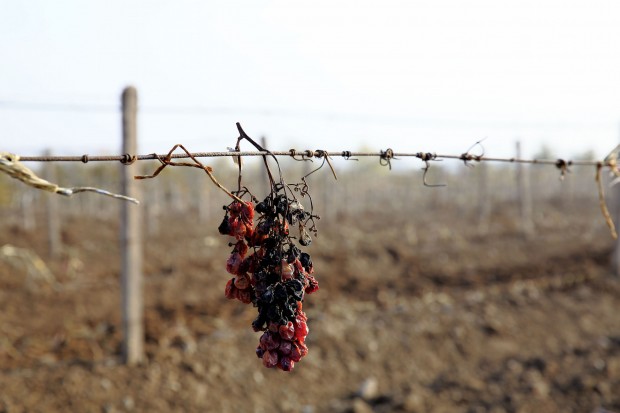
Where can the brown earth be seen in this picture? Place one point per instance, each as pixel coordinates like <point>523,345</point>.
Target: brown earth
<point>414,314</point>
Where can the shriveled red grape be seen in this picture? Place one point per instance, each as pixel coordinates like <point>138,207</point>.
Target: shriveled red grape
<point>270,359</point>
<point>272,273</point>
<point>287,331</point>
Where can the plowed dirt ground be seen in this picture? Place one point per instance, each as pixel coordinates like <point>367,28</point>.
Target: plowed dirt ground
<point>413,315</point>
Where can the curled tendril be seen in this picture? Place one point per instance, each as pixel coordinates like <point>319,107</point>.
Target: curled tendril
<point>467,157</point>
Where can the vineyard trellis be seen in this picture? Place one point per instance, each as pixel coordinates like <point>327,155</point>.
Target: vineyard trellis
<point>131,274</point>
<point>387,155</point>
<point>385,158</point>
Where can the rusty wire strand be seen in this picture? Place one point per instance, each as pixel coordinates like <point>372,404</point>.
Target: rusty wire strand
<point>307,154</point>
<point>385,158</point>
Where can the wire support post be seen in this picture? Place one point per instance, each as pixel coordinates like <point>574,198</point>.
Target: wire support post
<point>132,302</point>
<point>52,214</point>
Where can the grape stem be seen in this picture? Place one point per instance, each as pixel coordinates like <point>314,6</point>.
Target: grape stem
<point>167,161</point>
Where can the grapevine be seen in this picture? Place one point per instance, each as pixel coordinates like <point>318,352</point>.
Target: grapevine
<point>269,269</point>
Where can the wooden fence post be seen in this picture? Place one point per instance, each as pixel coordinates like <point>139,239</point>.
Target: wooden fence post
<point>131,240</point>
<point>153,210</point>
<point>525,197</point>
<point>615,255</point>
<point>614,197</point>
<point>27,209</point>
<point>484,199</point>
<point>52,215</point>
<point>265,185</point>
<point>204,206</point>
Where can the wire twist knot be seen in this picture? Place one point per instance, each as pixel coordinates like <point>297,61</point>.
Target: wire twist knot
<point>426,156</point>
<point>127,159</point>
<point>562,165</point>
<point>347,156</point>
<point>385,159</point>
<point>320,153</point>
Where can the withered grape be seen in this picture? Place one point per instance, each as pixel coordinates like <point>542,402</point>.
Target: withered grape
<point>275,276</point>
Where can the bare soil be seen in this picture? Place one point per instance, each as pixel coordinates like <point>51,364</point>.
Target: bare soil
<point>414,314</point>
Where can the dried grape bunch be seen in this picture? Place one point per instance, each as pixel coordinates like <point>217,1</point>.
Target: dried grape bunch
<point>270,271</point>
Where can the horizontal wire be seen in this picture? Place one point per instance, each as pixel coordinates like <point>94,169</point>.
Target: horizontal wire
<point>425,156</point>
<point>385,158</point>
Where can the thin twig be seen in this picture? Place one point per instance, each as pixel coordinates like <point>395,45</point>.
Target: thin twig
<point>166,160</point>
<point>11,165</point>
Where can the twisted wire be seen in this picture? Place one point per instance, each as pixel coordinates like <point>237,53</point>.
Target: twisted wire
<point>307,154</point>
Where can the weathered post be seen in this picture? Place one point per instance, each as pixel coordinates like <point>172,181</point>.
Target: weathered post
<point>265,185</point>
<point>484,199</point>
<point>52,215</point>
<point>204,206</point>
<point>131,240</point>
<point>525,197</point>
<point>27,209</point>
<point>153,210</point>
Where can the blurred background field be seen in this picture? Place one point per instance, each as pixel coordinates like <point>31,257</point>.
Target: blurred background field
<point>431,299</point>
<point>496,293</point>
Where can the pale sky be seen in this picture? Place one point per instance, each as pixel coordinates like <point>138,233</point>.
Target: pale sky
<point>432,76</point>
